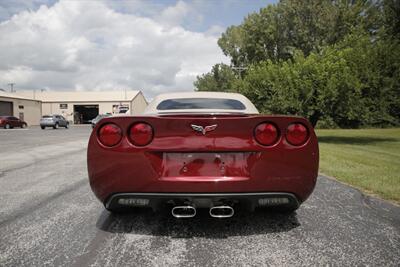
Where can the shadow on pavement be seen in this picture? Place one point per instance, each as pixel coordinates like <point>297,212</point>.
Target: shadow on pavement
<point>147,222</point>
<point>353,140</point>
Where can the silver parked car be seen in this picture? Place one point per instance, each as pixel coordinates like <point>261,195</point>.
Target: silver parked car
<point>54,121</point>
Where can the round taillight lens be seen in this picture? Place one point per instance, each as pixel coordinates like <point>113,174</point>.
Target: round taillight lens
<point>110,134</point>
<point>266,134</point>
<point>297,134</point>
<point>141,134</point>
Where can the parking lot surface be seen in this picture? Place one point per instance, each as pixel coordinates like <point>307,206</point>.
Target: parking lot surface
<point>49,216</point>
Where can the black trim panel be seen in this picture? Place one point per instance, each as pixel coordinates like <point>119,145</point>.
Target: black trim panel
<point>156,199</point>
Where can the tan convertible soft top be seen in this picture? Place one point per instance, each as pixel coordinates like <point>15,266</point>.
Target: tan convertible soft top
<point>249,108</point>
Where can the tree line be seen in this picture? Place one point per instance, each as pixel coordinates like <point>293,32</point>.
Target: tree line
<point>336,63</point>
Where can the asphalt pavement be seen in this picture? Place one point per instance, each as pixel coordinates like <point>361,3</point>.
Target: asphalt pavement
<point>49,216</point>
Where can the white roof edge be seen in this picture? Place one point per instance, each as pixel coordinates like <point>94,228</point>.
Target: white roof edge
<point>16,96</point>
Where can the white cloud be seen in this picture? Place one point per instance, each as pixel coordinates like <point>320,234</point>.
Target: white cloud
<point>174,15</point>
<point>77,45</point>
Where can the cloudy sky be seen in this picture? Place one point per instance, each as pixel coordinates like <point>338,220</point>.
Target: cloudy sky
<point>153,46</point>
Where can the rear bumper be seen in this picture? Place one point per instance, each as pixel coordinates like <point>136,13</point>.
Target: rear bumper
<point>202,200</point>
<point>47,124</point>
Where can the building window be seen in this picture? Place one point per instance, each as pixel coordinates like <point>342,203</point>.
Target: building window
<point>21,107</point>
<point>63,106</point>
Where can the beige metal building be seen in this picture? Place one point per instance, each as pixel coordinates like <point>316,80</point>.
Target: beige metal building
<point>80,107</point>
<point>21,107</point>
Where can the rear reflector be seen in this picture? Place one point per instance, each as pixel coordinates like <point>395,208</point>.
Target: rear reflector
<point>110,134</point>
<point>141,134</point>
<point>135,202</point>
<point>273,201</point>
<point>297,134</point>
<point>266,134</point>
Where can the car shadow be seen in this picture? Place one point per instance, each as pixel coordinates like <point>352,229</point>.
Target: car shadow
<point>360,140</point>
<point>243,223</point>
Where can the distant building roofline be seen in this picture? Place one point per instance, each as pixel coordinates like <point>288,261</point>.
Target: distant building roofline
<point>15,96</point>
<point>79,96</point>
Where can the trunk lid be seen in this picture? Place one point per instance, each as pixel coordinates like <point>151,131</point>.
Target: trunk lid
<point>207,133</point>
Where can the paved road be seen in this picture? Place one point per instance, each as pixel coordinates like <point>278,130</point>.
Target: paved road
<point>49,216</point>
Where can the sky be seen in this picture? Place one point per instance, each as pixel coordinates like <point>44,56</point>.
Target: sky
<point>153,46</point>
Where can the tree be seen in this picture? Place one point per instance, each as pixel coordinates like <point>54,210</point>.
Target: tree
<point>312,87</point>
<point>278,30</point>
<point>391,17</point>
<point>221,78</point>
<point>355,83</point>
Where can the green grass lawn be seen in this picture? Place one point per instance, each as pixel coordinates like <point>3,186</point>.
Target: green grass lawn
<point>368,159</point>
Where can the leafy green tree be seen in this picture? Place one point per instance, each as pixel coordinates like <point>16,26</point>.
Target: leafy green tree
<point>376,63</point>
<point>278,30</point>
<point>221,78</point>
<point>342,82</point>
<point>231,43</point>
<point>391,17</point>
<point>312,87</point>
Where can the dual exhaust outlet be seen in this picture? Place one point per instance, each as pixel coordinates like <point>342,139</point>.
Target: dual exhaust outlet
<point>190,211</point>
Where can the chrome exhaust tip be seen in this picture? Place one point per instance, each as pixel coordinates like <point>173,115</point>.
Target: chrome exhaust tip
<point>183,211</point>
<point>222,212</point>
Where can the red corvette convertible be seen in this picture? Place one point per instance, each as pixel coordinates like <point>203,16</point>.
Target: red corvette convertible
<point>202,150</point>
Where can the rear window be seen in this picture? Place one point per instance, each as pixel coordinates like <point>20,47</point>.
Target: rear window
<point>46,116</point>
<point>201,103</point>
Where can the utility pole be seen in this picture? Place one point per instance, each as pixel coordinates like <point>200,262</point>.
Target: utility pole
<point>12,87</point>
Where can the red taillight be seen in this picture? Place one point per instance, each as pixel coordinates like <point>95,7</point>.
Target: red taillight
<point>110,134</point>
<point>297,134</point>
<point>141,134</point>
<point>266,134</point>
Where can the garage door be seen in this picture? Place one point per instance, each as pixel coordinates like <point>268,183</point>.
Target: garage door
<point>6,108</point>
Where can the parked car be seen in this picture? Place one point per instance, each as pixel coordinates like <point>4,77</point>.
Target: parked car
<point>10,122</point>
<point>98,118</point>
<point>202,150</point>
<point>54,121</point>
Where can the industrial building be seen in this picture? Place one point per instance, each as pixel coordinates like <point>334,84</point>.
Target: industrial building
<point>21,107</point>
<point>78,107</point>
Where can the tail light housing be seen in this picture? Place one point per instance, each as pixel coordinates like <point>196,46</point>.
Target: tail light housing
<point>297,134</point>
<point>141,134</point>
<point>266,134</point>
<point>109,134</point>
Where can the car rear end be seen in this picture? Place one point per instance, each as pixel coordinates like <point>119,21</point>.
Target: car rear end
<point>48,121</point>
<point>3,121</point>
<point>241,160</point>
